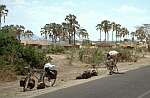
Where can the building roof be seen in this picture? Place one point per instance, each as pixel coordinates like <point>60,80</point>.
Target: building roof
<point>35,42</point>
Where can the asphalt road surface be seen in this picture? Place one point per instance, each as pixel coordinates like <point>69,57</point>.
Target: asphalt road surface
<point>132,84</point>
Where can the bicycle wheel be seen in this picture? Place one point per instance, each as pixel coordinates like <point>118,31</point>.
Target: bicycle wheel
<point>28,83</point>
<point>48,81</point>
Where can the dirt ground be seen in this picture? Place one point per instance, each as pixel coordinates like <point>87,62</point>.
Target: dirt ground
<point>66,76</point>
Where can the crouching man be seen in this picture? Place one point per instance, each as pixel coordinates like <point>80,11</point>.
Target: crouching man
<point>50,70</point>
<point>112,59</point>
<point>50,73</point>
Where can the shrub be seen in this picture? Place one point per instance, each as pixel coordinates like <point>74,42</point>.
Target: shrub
<point>56,49</point>
<point>13,54</point>
<point>127,55</point>
<point>7,75</point>
<point>89,55</point>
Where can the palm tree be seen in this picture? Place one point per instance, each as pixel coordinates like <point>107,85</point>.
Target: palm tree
<point>117,28</point>
<point>140,33</point>
<point>106,27</point>
<point>113,24</point>
<point>124,31</point>
<point>133,35</point>
<point>127,32</point>
<point>73,26</point>
<point>83,33</point>
<point>28,34</point>
<point>44,31</point>
<point>59,31</point>
<point>3,13</point>
<point>65,28</point>
<point>19,30</point>
<point>99,27</point>
<point>55,31</point>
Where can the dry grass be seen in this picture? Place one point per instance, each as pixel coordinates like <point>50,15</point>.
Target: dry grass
<point>7,76</point>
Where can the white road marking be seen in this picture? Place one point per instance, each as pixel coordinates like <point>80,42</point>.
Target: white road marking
<point>144,94</point>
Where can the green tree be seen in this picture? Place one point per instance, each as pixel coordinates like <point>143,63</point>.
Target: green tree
<point>28,34</point>
<point>3,13</point>
<point>99,27</point>
<point>19,30</point>
<point>65,29</point>
<point>113,24</point>
<point>133,36</point>
<point>45,31</point>
<point>106,27</point>
<point>118,29</point>
<point>83,34</point>
<point>55,31</point>
<point>13,30</point>
<point>124,31</point>
<point>140,34</point>
<point>73,26</point>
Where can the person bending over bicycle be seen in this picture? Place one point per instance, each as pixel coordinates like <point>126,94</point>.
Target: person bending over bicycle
<point>112,61</point>
<point>50,70</point>
<point>48,77</point>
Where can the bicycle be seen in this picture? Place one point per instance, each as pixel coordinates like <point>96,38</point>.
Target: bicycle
<point>28,81</point>
<point>49,77</point>
<point>45,79</point>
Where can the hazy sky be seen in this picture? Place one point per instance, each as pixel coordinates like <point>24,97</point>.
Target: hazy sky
<point>34,14</point>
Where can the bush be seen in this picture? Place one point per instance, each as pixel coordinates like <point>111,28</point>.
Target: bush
<point>7,75</point>
<point>16,56</point>
<point>127,55</point>
<point>97,56</point>
<point>56,49</point>
<point>92,56</point>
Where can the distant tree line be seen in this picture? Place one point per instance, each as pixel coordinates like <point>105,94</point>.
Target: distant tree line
<point>66,31</point>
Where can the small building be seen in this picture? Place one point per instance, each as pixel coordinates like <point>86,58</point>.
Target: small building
<point>36,43</point>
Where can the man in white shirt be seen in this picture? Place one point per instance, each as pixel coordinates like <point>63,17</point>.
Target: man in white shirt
<point>50,70</point>
<point>112,59</point>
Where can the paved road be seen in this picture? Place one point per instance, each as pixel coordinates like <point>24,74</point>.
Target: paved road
<point>132,84</point>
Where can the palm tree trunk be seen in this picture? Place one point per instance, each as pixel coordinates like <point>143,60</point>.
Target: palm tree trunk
<point>69,38</point>
<point>105,36</point>
<point>45,36</point>
<point>133,38</point>
<point>100,36</point>
<point>74,38</point>
<point>112,36</point>
<point>18,35</point>
<point>0,21</point>
<point>55,39</point>
<point>116,36</point>
<point>120,38</point>
<point>52,38</point>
